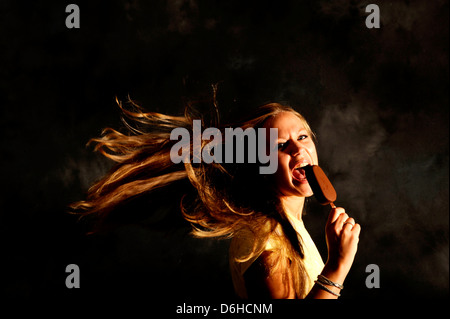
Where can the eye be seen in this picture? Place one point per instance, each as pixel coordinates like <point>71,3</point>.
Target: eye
<point>282,146</point>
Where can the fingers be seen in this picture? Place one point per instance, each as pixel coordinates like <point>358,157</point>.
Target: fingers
<point>356,229</point>
<point>341,221</point>
<point>348,223</point>
<point>342,235</point>
<point>342,218</point>
<point>351,226</point>
<point>334,214</point>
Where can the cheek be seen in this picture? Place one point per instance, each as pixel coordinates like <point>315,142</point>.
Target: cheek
<point>312,151</point>
<point>282,172</point>
<point>316,159</point>
<point>283,163</point>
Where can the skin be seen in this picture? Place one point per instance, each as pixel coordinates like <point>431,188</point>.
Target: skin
<point>342,233</point>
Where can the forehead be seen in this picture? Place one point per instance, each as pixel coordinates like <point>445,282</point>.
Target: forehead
<point>286,122</point>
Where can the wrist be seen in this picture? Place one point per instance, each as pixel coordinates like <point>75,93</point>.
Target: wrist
<point>335,272</point>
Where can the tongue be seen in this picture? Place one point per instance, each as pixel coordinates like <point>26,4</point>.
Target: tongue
<point>299,174</point>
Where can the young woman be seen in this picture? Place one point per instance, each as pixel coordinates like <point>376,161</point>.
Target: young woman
<point>283,268</point>
<point>271,253</point>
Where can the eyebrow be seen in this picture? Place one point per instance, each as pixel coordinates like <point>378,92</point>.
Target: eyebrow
<point>302,129</point>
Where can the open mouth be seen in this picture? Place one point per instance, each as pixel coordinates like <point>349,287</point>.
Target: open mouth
<point>298,173</point>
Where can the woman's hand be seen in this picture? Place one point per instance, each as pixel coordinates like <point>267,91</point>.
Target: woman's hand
<point>342,235</point>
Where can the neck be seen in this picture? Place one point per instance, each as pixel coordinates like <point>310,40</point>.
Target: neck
<point>293,205</point>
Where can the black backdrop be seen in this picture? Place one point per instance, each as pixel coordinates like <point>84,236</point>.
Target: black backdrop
<point>377,99</point>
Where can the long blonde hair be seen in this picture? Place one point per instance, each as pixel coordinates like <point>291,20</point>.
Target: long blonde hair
<point>219,200</point>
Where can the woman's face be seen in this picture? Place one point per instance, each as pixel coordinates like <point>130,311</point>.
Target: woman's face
<point>295,150</point>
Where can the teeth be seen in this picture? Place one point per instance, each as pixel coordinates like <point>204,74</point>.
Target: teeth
<point>301,165</point>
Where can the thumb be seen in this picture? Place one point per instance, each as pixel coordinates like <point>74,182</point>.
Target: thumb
<point>334,214</point>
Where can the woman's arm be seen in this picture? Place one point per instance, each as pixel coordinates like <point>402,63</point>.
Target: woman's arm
<point>261,284</point>
<point>342,236</point>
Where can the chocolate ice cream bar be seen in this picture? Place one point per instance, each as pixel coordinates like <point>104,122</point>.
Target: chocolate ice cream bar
<point>320,184</point>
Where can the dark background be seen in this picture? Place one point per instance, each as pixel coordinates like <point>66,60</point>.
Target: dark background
<point>377,99</point>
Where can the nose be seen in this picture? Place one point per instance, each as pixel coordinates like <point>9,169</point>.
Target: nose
<point>297,148</point>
